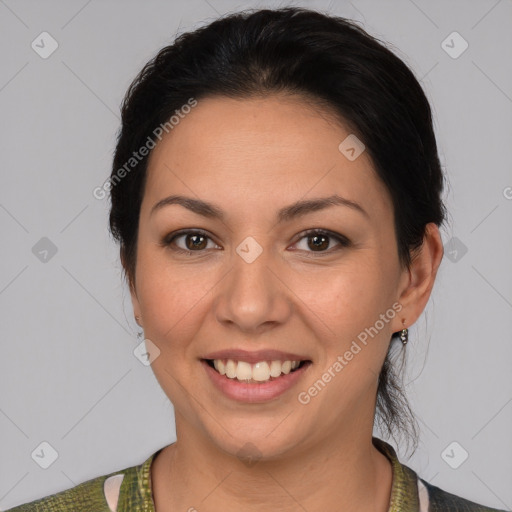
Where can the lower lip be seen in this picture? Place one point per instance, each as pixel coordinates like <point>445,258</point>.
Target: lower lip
<point>255,392</point>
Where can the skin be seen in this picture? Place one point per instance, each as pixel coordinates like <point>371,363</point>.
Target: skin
<point>252,157</point>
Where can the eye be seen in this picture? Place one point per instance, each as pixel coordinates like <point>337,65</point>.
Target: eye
<point>197,240</point>
<point>318,240</point>
<point>194,241</point>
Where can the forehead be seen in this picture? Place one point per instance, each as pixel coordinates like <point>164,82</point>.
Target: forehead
<point>276,148</point>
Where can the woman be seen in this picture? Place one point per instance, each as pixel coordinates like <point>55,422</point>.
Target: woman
<point>276,193</point>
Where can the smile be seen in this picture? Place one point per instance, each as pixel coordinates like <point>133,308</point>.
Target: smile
<point>262,371</point>
<point>262,381</point>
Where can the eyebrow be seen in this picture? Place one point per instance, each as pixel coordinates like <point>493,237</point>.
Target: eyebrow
<point>285,214</point>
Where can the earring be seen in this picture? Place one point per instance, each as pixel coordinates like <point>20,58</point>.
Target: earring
<point>404,334</point>
<point>140,335</point>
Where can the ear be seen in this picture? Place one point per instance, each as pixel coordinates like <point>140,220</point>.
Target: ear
<point>131,284</point>
<point>136,305</point>
<point>418,281</point>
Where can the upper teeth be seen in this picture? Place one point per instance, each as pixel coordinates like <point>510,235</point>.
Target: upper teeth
<point>260,371</point>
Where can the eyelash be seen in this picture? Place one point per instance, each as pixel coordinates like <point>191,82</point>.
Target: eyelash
<point>343,241</point>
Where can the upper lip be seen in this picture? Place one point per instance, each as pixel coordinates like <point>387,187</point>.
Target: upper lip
<point>255,356</point>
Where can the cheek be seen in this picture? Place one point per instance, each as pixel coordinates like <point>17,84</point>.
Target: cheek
<point>171,298</point>
<point>172,302</point>
<point>352,297</point>
<point>351,303</point>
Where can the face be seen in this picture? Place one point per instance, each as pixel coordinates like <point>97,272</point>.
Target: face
<point>252,274</point>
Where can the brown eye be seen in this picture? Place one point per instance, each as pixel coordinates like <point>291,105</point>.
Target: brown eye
<point>320,241</point>
<point>189,241</point>
<point>195,241</point>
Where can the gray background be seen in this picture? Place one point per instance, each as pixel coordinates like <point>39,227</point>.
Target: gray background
<point>68,375</point>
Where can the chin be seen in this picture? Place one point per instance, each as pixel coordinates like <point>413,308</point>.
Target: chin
<point>269,441</point>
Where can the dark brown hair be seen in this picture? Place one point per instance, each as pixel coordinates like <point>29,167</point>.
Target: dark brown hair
<point>298,51</point>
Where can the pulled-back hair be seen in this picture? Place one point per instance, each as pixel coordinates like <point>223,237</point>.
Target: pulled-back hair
<point>321,57</point>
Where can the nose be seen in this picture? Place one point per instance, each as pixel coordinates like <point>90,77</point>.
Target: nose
<point>252,296</point>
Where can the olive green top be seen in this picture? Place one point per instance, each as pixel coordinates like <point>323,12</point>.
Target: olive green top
<point>409,493</point>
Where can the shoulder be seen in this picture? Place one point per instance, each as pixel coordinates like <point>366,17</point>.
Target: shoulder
<point>440,500</point>
<point>84,497</point>
<point>410,492</point>
<point>100,494</point>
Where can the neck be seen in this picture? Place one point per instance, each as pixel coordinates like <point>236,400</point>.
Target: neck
<point>194,474</point>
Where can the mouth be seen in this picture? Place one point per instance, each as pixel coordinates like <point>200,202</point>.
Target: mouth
<point>256,373</point>
<point>254,376</point>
